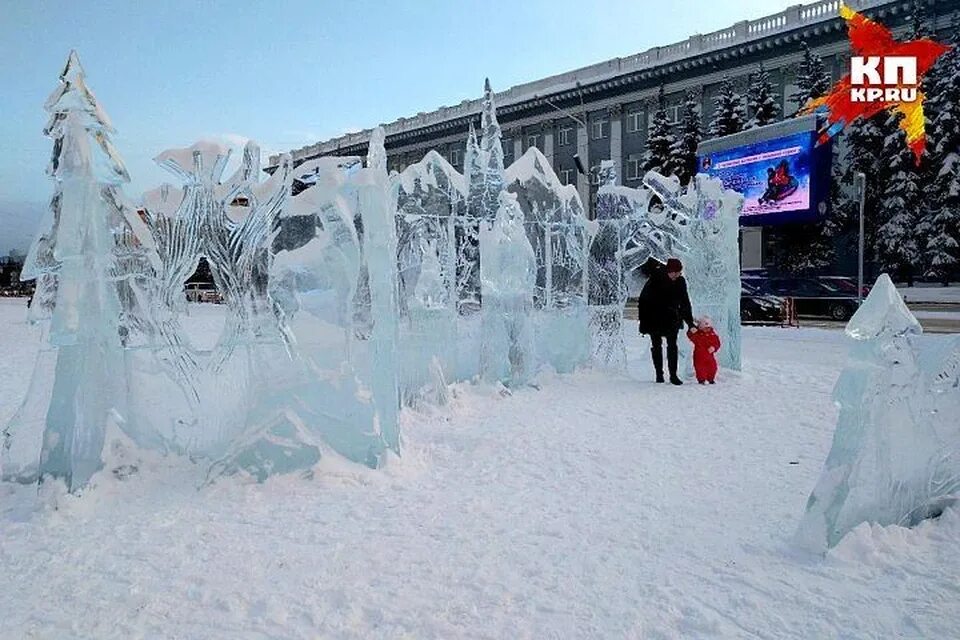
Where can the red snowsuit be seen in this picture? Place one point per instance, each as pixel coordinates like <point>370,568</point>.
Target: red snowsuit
<point>704,362</point>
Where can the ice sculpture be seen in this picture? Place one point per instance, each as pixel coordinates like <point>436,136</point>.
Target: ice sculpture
<point>557,230</point>
<point>711,258</point>
<point>632,227</point>
<point>430,222</point>
<point>508,276</point>
<point>895,457</point>
<point>78,385</point>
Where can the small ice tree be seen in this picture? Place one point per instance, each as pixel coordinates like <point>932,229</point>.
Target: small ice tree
<point>727,111</point>
<point>660,139</point>
<point>763,104</point>
<point>683,152</point>
<point>813,81</point>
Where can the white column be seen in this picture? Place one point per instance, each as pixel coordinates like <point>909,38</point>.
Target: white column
<point>517,134</point>
<point>616,139</point>
<point>583,151</point>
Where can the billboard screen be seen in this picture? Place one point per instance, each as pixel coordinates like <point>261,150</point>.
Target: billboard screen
<point>778,177</point>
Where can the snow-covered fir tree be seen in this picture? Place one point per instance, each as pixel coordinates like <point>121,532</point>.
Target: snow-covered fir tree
<point>683,153</point>
<point>813,80</point>
<point>865,141</point>
<point>942,203</point>
<point>728,114</point>
<point>898,252</point>
<point>763,103</point>
<point>660,139</point>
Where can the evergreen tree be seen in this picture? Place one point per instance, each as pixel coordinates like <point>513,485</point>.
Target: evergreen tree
<point>762,102</point>
<point>942,108</point>
<point>727,111</point>
<point>865,141</point>
<point>660,139</point>
<point>683,153</point>
<point>902,197</point>
<point>813,81</point>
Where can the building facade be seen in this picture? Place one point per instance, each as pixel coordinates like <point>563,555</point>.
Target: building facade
<point>602,111</point>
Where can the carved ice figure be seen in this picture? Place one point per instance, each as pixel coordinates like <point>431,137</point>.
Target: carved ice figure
<point>711,260</point>
<point>78,385</point>
<point>895,457</point>
<point>507,276</point>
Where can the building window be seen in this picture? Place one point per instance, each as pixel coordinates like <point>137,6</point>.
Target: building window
<point>634,121</point>
<point>672,111</point>
<point>599,128</point>
<point>566,176</point>
<point>455,157</point>
<point>533,140</point>
<point>564,136</point>
<point>633,166</point>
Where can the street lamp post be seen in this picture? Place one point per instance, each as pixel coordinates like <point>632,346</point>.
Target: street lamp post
<point>860,181</point>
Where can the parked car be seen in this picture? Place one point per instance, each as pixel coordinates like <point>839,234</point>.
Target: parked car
<point>811,296</point>
<point>759,307</point>
<point>845,283</point>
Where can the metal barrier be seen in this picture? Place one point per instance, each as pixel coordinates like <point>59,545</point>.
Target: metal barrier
<point>790,318</point>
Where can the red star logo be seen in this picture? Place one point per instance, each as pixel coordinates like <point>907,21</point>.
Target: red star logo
<point>871,41</point>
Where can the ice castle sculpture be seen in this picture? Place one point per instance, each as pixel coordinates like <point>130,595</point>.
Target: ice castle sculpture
<point>895,457</point>
<point>346,293</point>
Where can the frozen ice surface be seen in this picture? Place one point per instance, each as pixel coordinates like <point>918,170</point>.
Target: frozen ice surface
<point>895,457</point>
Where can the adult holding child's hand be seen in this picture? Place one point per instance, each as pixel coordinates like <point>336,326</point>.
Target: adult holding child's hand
<point>664,306</point>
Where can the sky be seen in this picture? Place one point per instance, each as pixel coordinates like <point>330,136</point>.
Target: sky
<point>287,74</point>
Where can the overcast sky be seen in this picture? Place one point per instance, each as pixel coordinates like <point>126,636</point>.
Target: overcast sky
<point>291,73</point>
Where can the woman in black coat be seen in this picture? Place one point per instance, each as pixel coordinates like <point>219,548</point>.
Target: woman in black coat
<point>664,307</point>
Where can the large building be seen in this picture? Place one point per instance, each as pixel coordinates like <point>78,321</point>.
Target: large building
<point>602,111</point>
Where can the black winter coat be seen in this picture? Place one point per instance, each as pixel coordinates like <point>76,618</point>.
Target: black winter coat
<point>664,305</point>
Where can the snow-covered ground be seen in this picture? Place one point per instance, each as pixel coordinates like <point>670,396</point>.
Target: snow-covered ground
<point>597,506</point>
<point>931,293</point>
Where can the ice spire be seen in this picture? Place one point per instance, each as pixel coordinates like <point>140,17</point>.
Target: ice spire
<point>376,152</point>
<point>486,183</point>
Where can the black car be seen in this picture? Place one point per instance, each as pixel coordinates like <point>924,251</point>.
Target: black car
<point>759,307</point>
<point>811,297</point>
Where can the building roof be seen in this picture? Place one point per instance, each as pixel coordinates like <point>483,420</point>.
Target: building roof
<point>676,56</point>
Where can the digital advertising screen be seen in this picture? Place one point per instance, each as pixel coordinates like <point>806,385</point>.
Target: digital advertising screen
<point>776,177</point>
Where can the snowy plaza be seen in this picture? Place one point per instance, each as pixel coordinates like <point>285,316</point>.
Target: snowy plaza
<point>371,388</point>
<point>587,507</point>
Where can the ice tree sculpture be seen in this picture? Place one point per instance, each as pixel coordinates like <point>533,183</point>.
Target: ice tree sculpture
<point>557,230</point>
<point>711,258</point>
<point>508,276</point>
<point>78,386</point>
<point>895,457</point>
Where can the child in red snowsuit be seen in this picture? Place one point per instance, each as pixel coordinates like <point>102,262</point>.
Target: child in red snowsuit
<point>706,342</point>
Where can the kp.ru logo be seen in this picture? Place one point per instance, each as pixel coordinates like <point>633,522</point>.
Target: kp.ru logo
<point>884,75</point>
<point>883,79</point>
